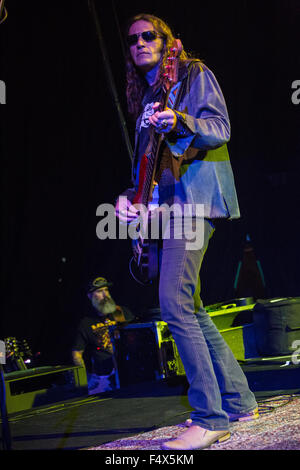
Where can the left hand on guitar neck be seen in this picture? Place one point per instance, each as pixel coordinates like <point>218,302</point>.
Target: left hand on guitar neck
<point>163,121</point>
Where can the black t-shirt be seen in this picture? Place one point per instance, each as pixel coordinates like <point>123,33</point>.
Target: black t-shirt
<point>94,339</point>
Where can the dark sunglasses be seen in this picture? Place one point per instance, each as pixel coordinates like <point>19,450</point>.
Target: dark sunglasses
<point>147,36</point>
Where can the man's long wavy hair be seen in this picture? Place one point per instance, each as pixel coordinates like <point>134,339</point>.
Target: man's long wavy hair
<point>136,82</point>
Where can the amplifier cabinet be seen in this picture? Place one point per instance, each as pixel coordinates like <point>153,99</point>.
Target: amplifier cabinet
<point>26,389</point>
<point>144,352</point>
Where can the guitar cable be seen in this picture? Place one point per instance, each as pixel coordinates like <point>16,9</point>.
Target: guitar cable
<point>2,8</point>
<point>131,272</point>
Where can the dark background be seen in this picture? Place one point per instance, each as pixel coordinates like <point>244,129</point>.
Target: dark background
<point>63,154</point>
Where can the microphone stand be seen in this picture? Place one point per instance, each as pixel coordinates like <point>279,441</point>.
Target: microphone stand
<point>110,78</point>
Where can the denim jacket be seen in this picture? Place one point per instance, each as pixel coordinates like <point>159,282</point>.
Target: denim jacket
<point>198,169</point>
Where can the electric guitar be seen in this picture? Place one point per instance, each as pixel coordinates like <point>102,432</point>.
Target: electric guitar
<point>145,248</point>
<point>17,352</point>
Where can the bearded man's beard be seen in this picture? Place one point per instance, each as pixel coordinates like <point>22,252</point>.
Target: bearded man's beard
<point>104,306</point>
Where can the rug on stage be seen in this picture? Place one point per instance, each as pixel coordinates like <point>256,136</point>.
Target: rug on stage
<point>278,428</point>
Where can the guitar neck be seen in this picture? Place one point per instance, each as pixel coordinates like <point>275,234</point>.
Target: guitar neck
<point>153,156</point>
<point>149,162</point>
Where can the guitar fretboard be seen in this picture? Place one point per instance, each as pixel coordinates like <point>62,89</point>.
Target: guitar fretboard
<point>152,158</point>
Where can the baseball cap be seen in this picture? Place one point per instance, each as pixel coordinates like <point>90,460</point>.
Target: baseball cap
<point>97,283</point>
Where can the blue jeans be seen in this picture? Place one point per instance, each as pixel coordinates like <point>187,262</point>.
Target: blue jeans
<point>217,383</point>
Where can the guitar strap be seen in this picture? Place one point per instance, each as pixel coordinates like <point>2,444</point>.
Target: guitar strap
<point>174,93</point>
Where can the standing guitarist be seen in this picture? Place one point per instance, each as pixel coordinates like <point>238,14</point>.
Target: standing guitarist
<point>193,168</point>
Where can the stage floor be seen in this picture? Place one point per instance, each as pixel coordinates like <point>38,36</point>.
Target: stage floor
<point>141,416</point>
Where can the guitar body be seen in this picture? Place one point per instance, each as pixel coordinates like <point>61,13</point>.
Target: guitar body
<point>146,257</point>
<point>146,248</point>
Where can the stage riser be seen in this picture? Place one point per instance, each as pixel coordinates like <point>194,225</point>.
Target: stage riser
<point>273,380</point>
